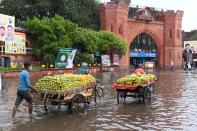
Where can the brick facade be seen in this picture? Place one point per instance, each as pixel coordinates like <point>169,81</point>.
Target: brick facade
<point>166,32</point>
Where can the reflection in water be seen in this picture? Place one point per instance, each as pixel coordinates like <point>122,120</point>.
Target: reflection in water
<point>173,108</point>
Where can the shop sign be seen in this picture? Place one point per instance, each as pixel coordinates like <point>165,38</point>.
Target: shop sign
<point>105,60</point>
<point>65,58</point>
<point>116,60</point>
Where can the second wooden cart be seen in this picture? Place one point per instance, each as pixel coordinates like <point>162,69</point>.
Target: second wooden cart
<point>141,91</point>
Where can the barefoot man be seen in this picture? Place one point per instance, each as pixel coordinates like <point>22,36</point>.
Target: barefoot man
<point>24,88</point>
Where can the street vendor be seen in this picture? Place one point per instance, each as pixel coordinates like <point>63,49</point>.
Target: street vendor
<point>24,88</point>
<point>139,70</point>
<point>83,69</point>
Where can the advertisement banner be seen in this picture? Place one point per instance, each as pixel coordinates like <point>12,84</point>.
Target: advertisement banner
<point>7,25</point>
<point>17,46</point>
<point>65,58</point>
<point>116,60</point>
<point>142,54</point>
<point>105,60</point>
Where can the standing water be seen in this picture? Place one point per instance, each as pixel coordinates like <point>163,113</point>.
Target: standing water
<point>173,107</point>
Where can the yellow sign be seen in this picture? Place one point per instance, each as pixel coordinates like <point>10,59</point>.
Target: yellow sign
<point>17,46</point>
<point>7,24</point>
<point>51,65</point>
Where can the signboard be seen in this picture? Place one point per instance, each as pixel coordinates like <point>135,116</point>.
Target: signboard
<point>7,24</point>
<point>105,60</point>
<point>149,65</point>
<point>142,54</point>
<point>65,58</point>
<point>97,53</point>
<point>17,46</point>
<point>115,59</point>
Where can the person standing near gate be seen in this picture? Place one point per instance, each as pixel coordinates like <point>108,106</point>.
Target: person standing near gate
<point>24,88</point>
<point>171,65</point>
<point>188,55</point>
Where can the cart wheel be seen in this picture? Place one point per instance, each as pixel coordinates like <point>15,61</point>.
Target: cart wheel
<point>98,94</point>
<point>152,88</point>
<point>47,103</point>
<point>121,96</point>
<point>147,96</point>
<point>78,104</point>
<point>50,105</point>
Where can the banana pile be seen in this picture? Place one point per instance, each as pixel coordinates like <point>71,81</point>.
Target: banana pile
<point>136,79</point>
<point>64,82</point>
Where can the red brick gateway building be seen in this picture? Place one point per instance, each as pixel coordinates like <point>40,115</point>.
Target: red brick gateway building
<point>152,35</point>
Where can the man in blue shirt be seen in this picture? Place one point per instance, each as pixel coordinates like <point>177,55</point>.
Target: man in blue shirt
<point>24,88</point>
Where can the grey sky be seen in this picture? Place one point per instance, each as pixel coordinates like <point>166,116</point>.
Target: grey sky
<point>188,6</point>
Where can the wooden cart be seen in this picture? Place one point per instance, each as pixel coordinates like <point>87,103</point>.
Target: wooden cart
<point>76,99</point>
<point>141,91</point>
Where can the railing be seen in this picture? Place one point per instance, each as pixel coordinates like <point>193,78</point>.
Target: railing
<point>18,65</point>
<point>25,50</point>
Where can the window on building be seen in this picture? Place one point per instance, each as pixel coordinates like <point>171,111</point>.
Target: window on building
<point>103,27</point>
<point>146,12</point>
<point>111,28</point>
<point>170,33</point>
<point>121,30</point>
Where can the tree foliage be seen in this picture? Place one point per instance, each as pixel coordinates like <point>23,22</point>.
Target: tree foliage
<point>82,12</point>
<point>193,36</point>
<point>50,34</point>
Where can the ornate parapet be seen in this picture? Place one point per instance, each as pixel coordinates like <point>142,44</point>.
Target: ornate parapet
<point>126,1</point>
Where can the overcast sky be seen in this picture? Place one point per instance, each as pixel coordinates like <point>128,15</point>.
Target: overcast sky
<point>188,6</point>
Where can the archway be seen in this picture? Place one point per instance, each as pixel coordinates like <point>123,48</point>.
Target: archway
<point>143,49</point>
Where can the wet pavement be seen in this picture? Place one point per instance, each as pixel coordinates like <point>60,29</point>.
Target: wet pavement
<point>173,107</point>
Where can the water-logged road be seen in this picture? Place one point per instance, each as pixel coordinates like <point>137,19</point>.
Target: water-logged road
<point>174,107</point>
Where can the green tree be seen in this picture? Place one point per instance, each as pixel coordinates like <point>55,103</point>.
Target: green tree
<point>50,34</point>
<point>109,41</point>
<point>85,13</point>
<point>193,36</point>
<point>22,9</point>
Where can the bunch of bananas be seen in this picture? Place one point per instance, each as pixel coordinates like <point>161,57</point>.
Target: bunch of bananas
<point>136,79</point>
<point>63,82</point>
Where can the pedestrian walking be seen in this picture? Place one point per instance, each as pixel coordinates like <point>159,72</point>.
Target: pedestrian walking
<point>171,65</point>
<point>24,89</point>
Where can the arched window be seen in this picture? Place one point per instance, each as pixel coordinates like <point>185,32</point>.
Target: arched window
<point>170,33</point>
<point>143,49</point>
<point>111,28</point>
<point>121,30</point>
<point>144,42</point>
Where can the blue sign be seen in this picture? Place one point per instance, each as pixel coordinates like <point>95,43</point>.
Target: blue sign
<point>142,54</point>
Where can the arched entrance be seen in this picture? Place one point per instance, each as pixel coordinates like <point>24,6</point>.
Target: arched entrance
<point>143,49</point>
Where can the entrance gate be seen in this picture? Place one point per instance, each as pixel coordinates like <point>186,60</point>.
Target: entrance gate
<point>143,49</point>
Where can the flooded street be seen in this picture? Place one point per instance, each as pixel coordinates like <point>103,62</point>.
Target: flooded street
<point>173,107</point>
